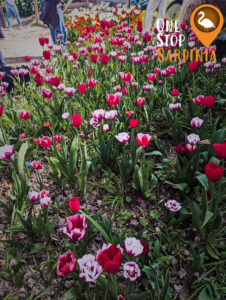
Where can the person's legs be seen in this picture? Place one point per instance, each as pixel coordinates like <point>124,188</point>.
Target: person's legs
<point>2,19</point>
<point>2,61</point>
<point>61,23</point>
<point>53,34</point>
<point>16,14</point>
<point>9,14</point>
<point>41,3</point>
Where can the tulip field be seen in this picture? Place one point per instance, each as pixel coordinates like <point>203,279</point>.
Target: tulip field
<point>112,169</point>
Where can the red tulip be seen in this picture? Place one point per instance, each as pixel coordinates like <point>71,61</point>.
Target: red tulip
<point>104,58</point>
<point>209,101</point>
<point>36,141</point>
<point>23,114</point>
<point>46,54</point>
<point>90,72</point>
<point>124,90</point>
<point>57,138</point>
<point>180,150</point>
<point>46,40</point>
<point>213,172</point>
<point>33,70</point>
<point>39,80</point>
<point>113,99</point>
<point>55,81</point>
<point>183,26</point>
<point>151,77</point>
<point>193,66</point>
<point>82,88</point>
<point>46,93</point>
<point>74,205</point>
<point>94,58</point>
<point>47,124</point>
<point>1,110</point>
<point>42,41</point>
<point>27,58</point>
<point>49,69</point>
<point>36,164</point>
<point>45,141</point>
<point>175,92</point>
<point>76,120</point>
<point>133,123</point>
<point>190,148</point>
<point>110,258</point>
<point>75,55</point>
<point>143,140</point>
<point>140,101</point>
<point>220,150</point>
<point>66,264</point>
<point>146,248</point>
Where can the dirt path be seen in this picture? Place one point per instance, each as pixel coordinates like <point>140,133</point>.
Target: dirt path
<point>21,42</point>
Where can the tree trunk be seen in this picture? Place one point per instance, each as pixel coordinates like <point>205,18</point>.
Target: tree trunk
<point>36,12</point>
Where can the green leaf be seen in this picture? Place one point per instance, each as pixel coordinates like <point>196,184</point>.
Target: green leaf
<point>102,231</point>
<point>178,186</point>
<point>212,252</point>
<point>166,287</point>
<point>154,153</point>
<point>203,180</point>
<point>204,296</point>
<point>208,216</point>
<point>43,293</point>
<point>196,215</point>
<point>73,153</point>
<point>21,157</point>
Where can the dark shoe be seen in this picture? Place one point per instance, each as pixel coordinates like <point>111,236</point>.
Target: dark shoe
<point>1,34</point>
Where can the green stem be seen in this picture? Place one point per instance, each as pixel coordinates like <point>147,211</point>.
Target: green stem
<point>107,289</point>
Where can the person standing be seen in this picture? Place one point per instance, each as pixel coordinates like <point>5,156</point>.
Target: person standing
<point>11,10</point>
<point>52,15</point>
<point>153,5</point>
<point>2,18</point>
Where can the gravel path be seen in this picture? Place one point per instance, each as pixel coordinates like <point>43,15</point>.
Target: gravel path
<point>21,42</point>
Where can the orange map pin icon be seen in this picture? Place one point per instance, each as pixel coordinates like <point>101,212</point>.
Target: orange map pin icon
<point>207,21</point>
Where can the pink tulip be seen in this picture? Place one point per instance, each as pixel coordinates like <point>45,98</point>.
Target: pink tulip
<point>151,77</point>
<point>94,123</point>
<point>65,116</point>
<point>24,115</point>
<point>131,270</point>
<point>133,246</point>
<point>196,122</point>
<point>36,164</point>
<point>90,269</point>
<point>69,91</point>
<point>122,137</point>
<point>6,151</point>
<point>110,115</point>
<point>66,264</point>
<point>143,140</point>
<point>33,196</point>
<point>98,114</point>
<point>193,139</point>
<point>76,227</point>
<point>172,205</point>
<point>46,93</point>
<point>105,127</point>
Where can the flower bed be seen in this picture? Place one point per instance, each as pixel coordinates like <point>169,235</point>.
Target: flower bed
<point>112,168</point>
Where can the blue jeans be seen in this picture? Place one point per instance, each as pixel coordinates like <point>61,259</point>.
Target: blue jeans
<point>12,10</point>
<point>60,29</point>
<point>2,61</point>
<point>41,3</point>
